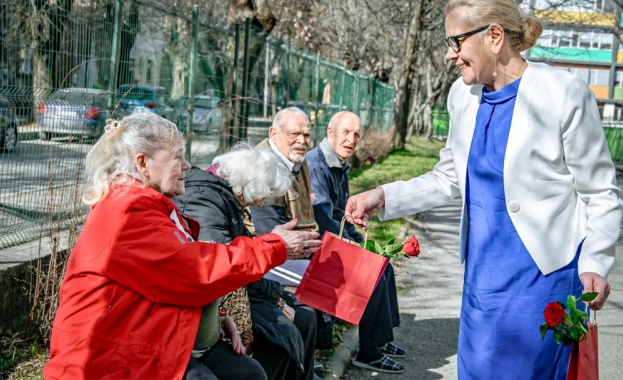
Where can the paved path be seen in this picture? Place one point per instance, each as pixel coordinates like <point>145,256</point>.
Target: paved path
<point>430,299</point>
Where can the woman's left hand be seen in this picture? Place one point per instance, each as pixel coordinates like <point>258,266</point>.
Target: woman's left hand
<point>229,326</point>
<point>593,282</point>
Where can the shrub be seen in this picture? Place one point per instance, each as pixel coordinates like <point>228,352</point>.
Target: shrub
<point>374,146</point>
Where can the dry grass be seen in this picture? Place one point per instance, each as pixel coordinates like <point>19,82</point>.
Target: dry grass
<point>374,146</point>
<point>21,355</point>
<point>31,369</point>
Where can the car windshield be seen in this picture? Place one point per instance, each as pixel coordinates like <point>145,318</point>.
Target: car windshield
<point>142,93</point>
<point>200,102</point>
<point>77,97</point>
<point>205,102</point>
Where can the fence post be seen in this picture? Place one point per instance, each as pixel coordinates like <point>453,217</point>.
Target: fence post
<point>285,76</point>
<point>244,101</point>
<point>114,56</point>
<point>382,123</point>
<point>191,82</point>
<point>316,95</point>
<point>234,87</point>
<point>370,105</point>
<point>356,94</point>
<point>342,87</point>
<point>266,93</point>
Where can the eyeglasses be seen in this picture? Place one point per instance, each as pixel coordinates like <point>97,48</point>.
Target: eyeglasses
<point>454,42</point>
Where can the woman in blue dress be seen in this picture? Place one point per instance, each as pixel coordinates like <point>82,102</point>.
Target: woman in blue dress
<point>542,211</point>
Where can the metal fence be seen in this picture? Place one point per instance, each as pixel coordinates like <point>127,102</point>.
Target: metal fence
<point>66,66</point>
<point>613,130</point>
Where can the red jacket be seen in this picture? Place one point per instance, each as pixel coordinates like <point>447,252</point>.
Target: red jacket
<point>134,286</point>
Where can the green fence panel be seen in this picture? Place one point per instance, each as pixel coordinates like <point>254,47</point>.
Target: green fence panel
<point>614,137</point>
<point>441,123</point>
<point>99,59</point>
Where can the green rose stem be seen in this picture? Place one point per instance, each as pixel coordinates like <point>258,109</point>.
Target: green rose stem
<point>568,322</point>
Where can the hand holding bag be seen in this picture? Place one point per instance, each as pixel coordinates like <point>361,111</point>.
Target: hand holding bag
<point>584,360</point>
<point>341,278</point>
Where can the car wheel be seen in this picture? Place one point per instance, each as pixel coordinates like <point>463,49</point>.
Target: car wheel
<point>9,140</point>
<point>45,135</point>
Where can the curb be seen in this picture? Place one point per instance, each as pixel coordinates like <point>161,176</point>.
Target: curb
<point>342,355</point>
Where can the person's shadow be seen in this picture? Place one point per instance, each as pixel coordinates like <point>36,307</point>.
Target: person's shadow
<point>322,282</point>
<point>341,280</point>
<point>431,346</point>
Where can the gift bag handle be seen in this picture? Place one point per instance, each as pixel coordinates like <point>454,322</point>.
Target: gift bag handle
<point>593,312</point>
<point>365,230</point>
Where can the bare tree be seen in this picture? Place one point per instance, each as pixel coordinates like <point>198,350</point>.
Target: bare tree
<point>130,27</point>
<point>401,108</point>
<point>43,23</point>
<point>262,17</point>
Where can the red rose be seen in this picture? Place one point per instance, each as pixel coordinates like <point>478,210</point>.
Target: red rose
<point>411,247</point>
<point>554,313</point>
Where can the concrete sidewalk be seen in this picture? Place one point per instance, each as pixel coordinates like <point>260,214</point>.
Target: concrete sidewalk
<point>429,291</point>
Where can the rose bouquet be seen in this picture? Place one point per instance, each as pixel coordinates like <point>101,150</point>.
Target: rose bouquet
<point>568,322</point>
<point>392,249</point>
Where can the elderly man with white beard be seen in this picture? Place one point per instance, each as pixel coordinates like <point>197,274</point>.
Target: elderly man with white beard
<point>290,138</point>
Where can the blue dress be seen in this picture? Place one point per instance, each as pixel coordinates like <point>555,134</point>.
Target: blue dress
<point>504,292</point>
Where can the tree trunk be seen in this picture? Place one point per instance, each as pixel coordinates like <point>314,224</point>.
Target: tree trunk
<point>401,107</point>
<point>261,15</point>
<point>437,84</point>
<point>179,50</point>
<point>43,67</point>
<point>44,23</point>
<point>229,108</point>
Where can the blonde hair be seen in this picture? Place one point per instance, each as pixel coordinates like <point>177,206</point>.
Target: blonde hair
<point>111,160</point>
<point>522,31</point>
<point>255,173</point>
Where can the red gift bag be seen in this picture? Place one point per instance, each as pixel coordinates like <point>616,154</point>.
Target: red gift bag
<point>584,360</point>
<point>341,278</point>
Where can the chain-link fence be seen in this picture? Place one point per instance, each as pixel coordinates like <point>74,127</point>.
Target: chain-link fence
<point>68,65</point>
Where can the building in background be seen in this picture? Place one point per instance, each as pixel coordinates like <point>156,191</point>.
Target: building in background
<point>582,36</point>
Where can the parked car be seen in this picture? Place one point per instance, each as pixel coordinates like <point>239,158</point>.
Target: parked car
<point>131,96</point>
<point>74,111</point>
<point>8,125</point>
<point>207,115</point>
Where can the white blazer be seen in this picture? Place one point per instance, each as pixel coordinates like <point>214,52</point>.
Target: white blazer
<point>559,178</point>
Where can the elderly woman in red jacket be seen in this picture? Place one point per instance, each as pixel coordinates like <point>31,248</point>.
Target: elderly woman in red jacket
<point>137,278</point>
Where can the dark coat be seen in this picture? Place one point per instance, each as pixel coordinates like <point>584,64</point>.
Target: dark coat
<point>329,181</point>
<point>210,200</point>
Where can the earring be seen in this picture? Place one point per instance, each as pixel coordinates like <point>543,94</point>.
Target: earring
<point>495,64</point>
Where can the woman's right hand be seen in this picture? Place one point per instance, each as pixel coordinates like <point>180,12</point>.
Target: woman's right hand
<point>300,244</point>
<point>362,206</point>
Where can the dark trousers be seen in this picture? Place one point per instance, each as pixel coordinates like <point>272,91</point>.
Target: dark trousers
<point>277,362</point>
<point>221,362</point>
<point>382,313</point>
<point>273,358</point>
<point>306,321</point>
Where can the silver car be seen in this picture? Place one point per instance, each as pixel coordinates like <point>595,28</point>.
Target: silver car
<point>74,111</point>
<point>8,125</point>
<point>207,115</point>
